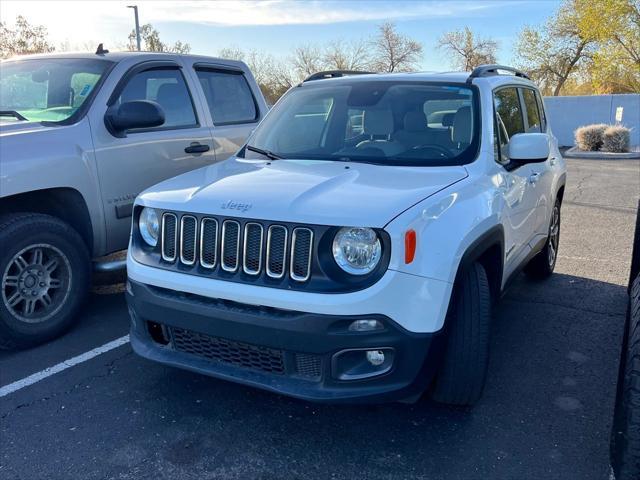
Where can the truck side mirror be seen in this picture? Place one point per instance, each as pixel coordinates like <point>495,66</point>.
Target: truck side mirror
<point>133,114</point>
<point>529,148</point>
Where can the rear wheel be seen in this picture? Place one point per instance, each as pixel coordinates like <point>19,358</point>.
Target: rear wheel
<point>44,275</point>
<point>461,378</point>
<point>542,265</point>
<point>625,436</point>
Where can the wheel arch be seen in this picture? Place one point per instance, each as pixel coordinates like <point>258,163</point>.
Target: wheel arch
<point>488,250</point>
<point>67,204</point>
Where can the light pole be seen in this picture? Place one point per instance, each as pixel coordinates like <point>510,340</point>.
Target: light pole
<point>135,11</point>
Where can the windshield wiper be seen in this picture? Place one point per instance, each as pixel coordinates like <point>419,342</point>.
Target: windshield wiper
<point>13,113</point>
<point>270,155</point>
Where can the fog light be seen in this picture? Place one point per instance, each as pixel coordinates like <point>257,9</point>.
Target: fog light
<point>365,325</point>
<point>375,357</point>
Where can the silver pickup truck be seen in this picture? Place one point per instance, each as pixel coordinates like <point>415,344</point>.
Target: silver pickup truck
<point>81,135</point>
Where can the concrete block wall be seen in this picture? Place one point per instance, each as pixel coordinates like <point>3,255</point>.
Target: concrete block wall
<point>568,113</point>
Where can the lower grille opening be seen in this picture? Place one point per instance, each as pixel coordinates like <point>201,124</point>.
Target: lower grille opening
<point>158,333</point>
<point>234,353</point>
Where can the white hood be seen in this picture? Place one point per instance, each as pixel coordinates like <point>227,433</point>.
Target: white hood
<point>302,191</point>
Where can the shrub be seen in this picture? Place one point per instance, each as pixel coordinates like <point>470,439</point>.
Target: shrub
<point>616,139</point>
<point>590,137</point>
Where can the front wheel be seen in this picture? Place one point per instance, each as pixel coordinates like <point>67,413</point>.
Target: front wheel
<point>45,274</point>
<point>461,378</point>
<point>542,265</point>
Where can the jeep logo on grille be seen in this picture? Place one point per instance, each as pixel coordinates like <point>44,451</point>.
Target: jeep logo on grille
<point>232,205</point>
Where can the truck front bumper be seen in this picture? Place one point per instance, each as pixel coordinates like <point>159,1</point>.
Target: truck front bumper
<point>305,355</point>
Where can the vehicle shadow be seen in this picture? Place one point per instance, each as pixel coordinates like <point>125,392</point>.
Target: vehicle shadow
<point>545,412</point>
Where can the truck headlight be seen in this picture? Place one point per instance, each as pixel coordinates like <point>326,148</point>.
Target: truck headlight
<point>149,226</point>
<point>357,250</point>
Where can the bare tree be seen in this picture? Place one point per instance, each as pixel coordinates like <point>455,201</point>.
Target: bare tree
<point>468,50</point>
<point>152,43</point>
<point>394,52</point>
<point>556,50</point>
<point>23,39</point>
<point>340,55</point>
<point>307,60</point>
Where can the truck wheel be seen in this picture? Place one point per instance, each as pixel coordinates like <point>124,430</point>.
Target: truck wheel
<point>461,378</point>
<point>541,266</point>
<point>625,435</point>
<point>44,274</point>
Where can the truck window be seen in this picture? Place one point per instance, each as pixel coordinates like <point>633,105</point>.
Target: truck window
<point>228,96</point>
<point>168,88</point>
<point>51,90</point>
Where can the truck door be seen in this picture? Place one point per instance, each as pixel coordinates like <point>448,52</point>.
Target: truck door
<point>127,165</point>
<point>232,101</point>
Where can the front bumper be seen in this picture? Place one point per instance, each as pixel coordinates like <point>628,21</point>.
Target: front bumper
<point>287,352</point>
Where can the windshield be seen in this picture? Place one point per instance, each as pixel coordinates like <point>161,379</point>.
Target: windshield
<point>393,123</point>
<point>47,89</point>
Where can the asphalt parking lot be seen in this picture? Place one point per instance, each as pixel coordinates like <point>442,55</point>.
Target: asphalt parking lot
<point>546,411</point>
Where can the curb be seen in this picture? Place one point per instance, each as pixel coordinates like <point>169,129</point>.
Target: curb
<point>574,152</point>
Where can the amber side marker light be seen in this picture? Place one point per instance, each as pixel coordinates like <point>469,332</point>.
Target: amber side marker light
<point>409,246</point>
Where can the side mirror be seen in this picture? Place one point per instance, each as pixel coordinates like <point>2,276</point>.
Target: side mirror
<point>529,147</point>
<point>133,114</point>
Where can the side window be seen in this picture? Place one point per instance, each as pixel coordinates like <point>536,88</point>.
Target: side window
<point>228,96</point>
<point>533,115</point>
<point>509,119</point>
<point>168,88</point>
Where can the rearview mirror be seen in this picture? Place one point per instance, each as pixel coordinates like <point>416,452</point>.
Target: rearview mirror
<point>529,147</point>
<point>133,114</point>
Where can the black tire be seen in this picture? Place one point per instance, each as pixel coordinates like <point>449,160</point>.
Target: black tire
<point>461,377</point>
<point>625,435</point>
<point>59,275</point>
<point>542,265</point>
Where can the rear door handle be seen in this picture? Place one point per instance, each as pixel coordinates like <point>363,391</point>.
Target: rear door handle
<point>533,178</point>
<point>197,148</point>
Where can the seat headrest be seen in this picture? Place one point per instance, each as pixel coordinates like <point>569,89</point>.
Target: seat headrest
<point>415,122</point>
<point>447,119</point>
<point>170,94</point>
<point>461,131</point>
<point>378,122</point>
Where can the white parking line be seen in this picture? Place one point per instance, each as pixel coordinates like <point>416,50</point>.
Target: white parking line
<point>47,372</point>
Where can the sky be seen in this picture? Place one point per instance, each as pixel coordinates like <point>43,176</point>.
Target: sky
<point>276,26</point>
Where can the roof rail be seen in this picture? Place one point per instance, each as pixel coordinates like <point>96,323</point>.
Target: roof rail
<point>492,69</point>
<point>334,74</point>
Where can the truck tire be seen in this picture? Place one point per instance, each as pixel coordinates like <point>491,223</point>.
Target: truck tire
<point>44,278</point>
<point>625,436</point>
<point>462,375</point>
<point>542,265</point>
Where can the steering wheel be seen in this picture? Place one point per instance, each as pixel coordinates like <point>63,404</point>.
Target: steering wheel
<point>439,149</point>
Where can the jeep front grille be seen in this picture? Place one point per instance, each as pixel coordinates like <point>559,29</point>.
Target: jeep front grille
<point>251,248</point>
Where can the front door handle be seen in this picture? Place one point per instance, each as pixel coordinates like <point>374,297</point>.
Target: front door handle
<point>533,178</point>
<point>197,148</point>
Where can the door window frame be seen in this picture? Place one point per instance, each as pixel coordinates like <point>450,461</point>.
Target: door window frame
<point>509,166</point>
<point>229,70</point>
<point>145,67</point>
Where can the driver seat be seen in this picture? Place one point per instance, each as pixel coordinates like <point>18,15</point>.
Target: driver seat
<point>378,125</point>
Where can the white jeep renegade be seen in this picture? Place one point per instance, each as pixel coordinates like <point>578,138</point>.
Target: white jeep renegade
<point>352,249</point>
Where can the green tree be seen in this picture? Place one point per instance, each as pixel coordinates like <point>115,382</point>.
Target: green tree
<point>23,39</point>
<point>616,62</point>
<point>151,41</point>
<point>551,53</point>
<point>467,50</point>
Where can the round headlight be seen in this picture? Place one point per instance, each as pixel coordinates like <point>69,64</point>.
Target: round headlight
<point>357,250</point>
<point>149,226</point>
